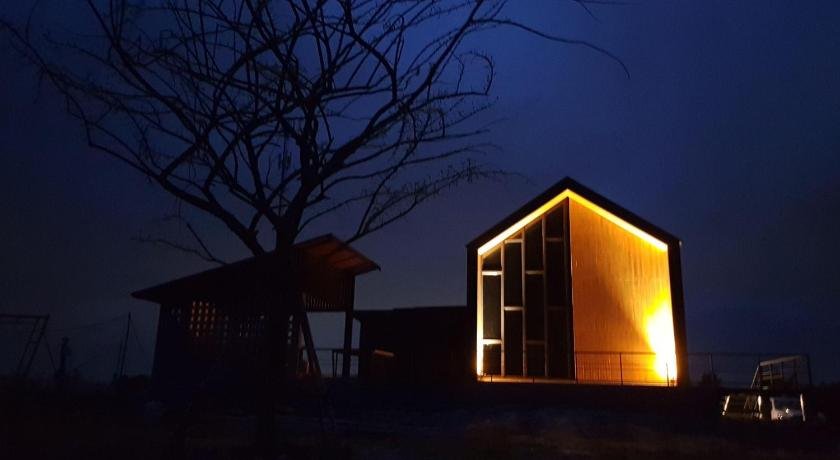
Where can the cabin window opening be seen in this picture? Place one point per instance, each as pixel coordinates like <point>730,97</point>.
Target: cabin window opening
<point>524,299</point>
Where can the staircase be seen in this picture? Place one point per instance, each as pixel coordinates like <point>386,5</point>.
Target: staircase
<point>786,373</point>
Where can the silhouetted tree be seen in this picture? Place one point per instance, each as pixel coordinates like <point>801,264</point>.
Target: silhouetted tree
<point>274,114</point>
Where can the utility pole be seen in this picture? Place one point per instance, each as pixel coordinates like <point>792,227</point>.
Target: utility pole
<point>33,341</point>
<point>123,350</point>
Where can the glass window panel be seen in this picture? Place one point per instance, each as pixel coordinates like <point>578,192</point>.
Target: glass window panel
<point>492,307</point>
<point>534,307</point>
<point>513,274</point>
<point>554,222</point>
<point>493,260</point>
<point>555,271</point>
<point>559,347</point>
<point>536,360</point>
<point>492,359</point>
<point>533,247</point>
<point>513,343</point>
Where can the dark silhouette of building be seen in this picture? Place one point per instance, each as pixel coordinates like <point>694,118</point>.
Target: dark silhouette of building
<point>212,325</point>
<point>414,345</point>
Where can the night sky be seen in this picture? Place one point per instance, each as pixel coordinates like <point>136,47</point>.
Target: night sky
<point>727,134</point>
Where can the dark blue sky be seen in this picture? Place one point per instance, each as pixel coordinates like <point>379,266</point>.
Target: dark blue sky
<point>727,134</point>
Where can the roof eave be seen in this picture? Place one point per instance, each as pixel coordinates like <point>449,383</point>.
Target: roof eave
<point>567,183</point>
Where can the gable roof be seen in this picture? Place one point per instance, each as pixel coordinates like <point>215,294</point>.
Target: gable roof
<point>326,249</point>
<point>568,184</point>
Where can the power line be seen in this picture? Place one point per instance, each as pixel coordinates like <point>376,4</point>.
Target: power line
<point>123,354</point>
<point>89,325</point>
<point>137,340</point>
<point>49,353</point>
<point>91,358</point>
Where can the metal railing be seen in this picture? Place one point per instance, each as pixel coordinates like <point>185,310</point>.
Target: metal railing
<point>608,368</point>
<point>721,369</point>
<point>624,368</point>
<point>738,370</point>
<point>332,360</point>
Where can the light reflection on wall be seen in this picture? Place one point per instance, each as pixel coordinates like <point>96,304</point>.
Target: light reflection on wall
<point>621,301</point>
<point>659,331</point>
<point>621,296</point>
<point>488,246</point>
<point>479,355</point>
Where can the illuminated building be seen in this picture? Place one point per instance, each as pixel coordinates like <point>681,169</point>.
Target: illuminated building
<point>573,288</point>
<point>570,288</point>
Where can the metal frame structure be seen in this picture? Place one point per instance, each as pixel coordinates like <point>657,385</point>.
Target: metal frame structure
<point>33,341</point>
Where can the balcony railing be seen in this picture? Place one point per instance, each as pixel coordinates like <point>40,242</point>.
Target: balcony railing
<point>332,360</point>
<point>608,368</point>
<point>624,368</point>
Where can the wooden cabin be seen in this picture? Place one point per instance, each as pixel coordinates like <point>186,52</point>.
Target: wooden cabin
<point>418,345</point>
<point>212,325</point>
<point>574,288</point>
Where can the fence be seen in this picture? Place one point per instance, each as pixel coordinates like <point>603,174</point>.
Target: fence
<point>97,347</point>
<point>32,347</point>
<point>20,339</point>
<point>738,370</point>
<point>722,369</point>
<point>331,361</point>
<point>624,368</point>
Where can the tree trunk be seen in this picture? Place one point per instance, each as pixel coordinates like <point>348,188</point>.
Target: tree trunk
<point>275,382</point>
<point>348,343</point>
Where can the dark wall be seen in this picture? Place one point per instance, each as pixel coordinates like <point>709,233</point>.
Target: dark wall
<point>197,350</point>
<point>420,345</point>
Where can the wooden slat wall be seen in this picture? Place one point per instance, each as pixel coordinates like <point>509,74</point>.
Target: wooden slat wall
<point>618,282</point>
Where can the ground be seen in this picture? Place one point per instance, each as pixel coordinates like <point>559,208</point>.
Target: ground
<point>100,424</point>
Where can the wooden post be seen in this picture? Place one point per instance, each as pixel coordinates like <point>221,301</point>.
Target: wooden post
<point>348,333</point>
<point>123,350</point>
<point>620,368</point>
<point>294,349</point>
<point>312,356</point>
<point>348,342</point>
<point>678,313</point>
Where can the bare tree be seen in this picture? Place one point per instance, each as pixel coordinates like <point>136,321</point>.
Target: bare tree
<point>270,115</point>
<point>274,114</point>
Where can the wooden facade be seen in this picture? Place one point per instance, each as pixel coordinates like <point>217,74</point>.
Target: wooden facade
<point>212,325</point>
<point>572,287</point>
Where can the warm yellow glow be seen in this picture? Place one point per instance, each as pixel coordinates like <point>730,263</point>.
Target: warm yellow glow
<point>498,239</point>
<point>479,329</point>
<point>620,288</point>
<point>479,359</point>
<point>659,332</point>
<point>661,246</point>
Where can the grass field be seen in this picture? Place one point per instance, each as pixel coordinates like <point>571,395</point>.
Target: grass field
<point>100,424</point>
